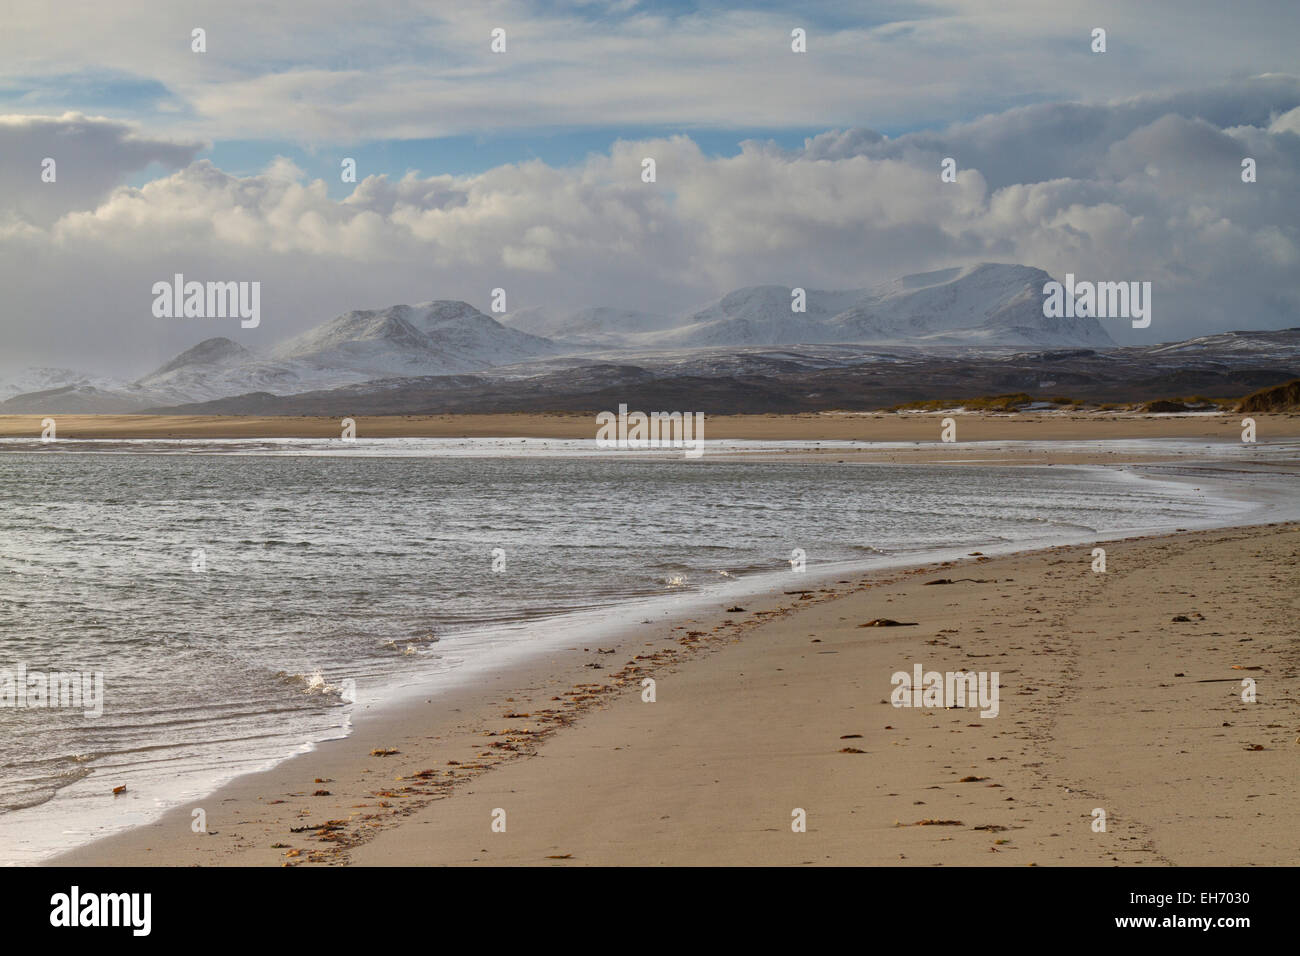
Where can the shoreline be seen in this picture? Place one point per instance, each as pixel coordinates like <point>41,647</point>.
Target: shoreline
<point>458,717</point>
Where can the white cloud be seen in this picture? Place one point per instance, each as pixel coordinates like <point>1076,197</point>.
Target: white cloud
<point>1156,196</point>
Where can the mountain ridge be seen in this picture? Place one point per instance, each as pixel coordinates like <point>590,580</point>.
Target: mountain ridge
<point>982,306</point>
<point>986,304</point>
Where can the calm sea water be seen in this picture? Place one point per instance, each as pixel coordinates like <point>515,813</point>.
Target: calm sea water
<point>379,570</point>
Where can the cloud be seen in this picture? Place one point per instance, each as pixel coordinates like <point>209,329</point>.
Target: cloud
<point>336,73</point>
<point>1288,122</point>
<point>1140,189</point>
<point>91,155</point>
<point>1071,139</point>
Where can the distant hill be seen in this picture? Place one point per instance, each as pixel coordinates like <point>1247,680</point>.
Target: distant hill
<point>801,378</point>
<point>430,338</point>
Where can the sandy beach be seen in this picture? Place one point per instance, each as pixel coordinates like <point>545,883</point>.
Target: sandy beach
<point>824,426</point>
<point>1119,691</point>
<point>1093,438</point>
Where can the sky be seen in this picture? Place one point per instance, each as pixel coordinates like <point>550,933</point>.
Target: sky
<point>522,169</point>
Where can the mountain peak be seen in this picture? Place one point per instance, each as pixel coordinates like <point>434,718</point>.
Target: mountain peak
<point>214,351</point>
<point>442,311</point>
<point>430,338</point>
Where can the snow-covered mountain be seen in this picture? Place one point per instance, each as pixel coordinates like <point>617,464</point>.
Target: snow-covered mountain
<point>45,379</point>
<point>987,304</point>
<point>81,397</point>
<point>210,353</point>
<point>213,369</point>
<point>431,338</point>
<point>987,307</point>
